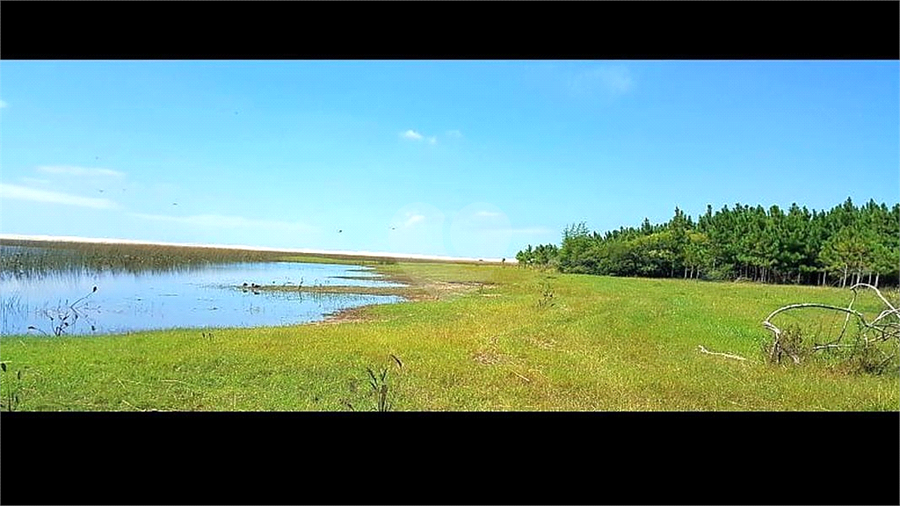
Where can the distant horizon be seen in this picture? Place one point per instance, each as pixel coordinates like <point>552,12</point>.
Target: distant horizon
<point>366,254</point>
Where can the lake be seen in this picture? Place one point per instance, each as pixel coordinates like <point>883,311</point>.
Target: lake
<point>197,297</point>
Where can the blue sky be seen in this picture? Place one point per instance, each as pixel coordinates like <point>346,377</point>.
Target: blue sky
<point>463,158</point>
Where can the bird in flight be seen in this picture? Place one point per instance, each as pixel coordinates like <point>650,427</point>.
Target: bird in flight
<point>339,231</point>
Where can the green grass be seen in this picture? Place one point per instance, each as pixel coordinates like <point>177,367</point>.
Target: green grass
<point>480,340</point>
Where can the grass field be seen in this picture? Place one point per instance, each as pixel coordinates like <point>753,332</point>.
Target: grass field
<point>474,337</point>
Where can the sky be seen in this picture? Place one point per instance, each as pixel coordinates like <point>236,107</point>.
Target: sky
<point>457,158</point>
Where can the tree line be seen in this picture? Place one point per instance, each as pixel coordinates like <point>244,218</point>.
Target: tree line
<point>841,246</point>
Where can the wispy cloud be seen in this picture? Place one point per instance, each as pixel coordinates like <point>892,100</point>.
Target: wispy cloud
<point>412,135</point>
<point>69,170</point>
<point>16,192</point>
<point>2,104</point>
<point>613,80</point>
<point>432,140</point>
<point>454,133</point>
<point>34,180</point>
<point>488,214</point>
<point>222,221</point>
<point>413,219</point>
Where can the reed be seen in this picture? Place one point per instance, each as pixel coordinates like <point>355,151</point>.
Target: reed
<point>24,258</point>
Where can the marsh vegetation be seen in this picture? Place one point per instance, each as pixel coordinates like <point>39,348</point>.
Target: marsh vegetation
<point>480,337</point>
<point>169,287</point>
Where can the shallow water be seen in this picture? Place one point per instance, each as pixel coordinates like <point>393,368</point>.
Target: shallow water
<point>199,297</point>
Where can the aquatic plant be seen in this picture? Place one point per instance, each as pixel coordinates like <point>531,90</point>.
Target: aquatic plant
<point>22,258</point>
<point>66,315</point>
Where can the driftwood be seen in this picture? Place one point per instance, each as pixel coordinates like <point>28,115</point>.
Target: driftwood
<point>881,328</point>
<point>726,355</point>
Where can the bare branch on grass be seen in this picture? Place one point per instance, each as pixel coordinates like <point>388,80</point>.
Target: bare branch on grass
<point>726,355</point>
<point>879,329</point>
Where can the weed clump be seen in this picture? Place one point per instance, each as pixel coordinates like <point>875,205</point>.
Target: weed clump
<point>546,300</point>
<point>10,400</point>
<point>791,344</point>
<point>379,385</point>
<point>869,360</point>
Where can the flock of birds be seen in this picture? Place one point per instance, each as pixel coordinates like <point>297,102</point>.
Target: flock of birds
<point>340,231</point>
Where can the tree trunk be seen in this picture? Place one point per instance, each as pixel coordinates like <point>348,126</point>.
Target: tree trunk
<point>876,279</point>
<point>844,279</point>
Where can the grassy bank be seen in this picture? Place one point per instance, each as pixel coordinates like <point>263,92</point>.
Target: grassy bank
<point>480,337</point>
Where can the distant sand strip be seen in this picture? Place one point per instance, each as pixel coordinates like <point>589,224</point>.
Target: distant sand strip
<point>366,254</point>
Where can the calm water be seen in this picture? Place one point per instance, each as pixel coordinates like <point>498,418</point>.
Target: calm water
<point>204,297</point>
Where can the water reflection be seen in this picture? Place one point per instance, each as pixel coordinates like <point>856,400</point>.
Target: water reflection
<point>185,296</point>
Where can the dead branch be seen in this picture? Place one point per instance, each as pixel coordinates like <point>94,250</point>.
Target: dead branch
<point>877,330</point>
<point>726,355</point>
<point>830,345</point>
<point>814,304</point>
<point>877,292</point>
<point>847,318</point>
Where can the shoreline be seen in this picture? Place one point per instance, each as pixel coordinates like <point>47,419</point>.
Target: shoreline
<point>302,251</point>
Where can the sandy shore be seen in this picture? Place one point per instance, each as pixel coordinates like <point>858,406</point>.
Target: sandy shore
<point>372,254</point>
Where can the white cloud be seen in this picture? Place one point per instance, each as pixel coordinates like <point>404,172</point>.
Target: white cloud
<point>68,170</point>
<point>412,135</point>
<point>488,214</point>
<point>432,140</point>
<point>612,80</point>
<point>454,133</point>
<point>16,192</point>
<point>221,221</point>
<point>2,104</point>
<point>413,219</point>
